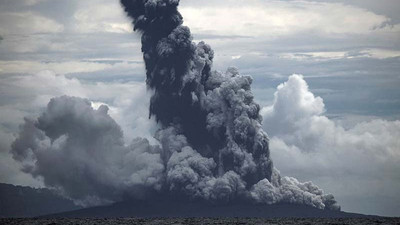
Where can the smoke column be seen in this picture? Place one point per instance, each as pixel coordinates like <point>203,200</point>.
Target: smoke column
<point>214,111</point>
<point>211,143</point>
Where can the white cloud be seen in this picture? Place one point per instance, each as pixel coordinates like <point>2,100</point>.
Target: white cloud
<point>307,144</point>
<point>30,67</point>
<point>292,103</point>
<point>13,23</point>
<point>106,17</point>
<point>37,43</point>
<point>33,2</point>
<point>376,53</point>
<point>277,18</point>
<point>314,55</point>
<point>379,53</point>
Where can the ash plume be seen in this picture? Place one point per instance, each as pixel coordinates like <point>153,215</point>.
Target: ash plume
<point>214,111</point>
<point>81,152</point>
<point>211,142</point>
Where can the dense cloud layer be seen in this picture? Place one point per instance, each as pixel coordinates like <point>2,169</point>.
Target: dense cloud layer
<point>211,143</point>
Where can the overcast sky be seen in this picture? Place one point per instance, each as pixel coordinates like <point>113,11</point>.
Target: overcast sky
<point>337,124</point>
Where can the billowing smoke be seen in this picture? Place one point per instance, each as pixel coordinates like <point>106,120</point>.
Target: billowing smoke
<point>211,142</point>
<point>81,151</point>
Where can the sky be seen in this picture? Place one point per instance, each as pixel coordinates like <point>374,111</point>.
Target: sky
<point>326,74</point>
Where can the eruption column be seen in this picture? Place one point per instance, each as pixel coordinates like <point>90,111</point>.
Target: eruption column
<point>211,144</point>
<point>214,111</point>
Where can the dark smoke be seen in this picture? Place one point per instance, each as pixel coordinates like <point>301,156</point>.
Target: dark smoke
<point>212,146</point>
<point>214,111</point>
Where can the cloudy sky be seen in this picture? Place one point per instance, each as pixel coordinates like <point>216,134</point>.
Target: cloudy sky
<point>335,123</point>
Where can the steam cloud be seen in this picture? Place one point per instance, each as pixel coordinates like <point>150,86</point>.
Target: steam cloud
<point>211,142</point>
